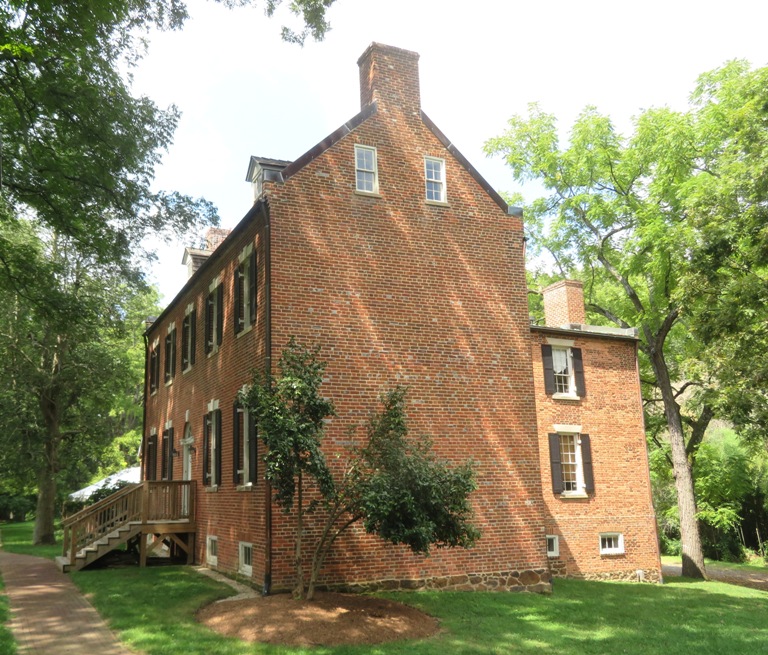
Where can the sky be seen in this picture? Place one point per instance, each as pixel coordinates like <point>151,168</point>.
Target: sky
<point>242,91</point>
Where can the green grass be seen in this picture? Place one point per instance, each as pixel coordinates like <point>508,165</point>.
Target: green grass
<point>753,565</point>
<point>153,610</point>
<point>17,538</point>
<point>7,642</point>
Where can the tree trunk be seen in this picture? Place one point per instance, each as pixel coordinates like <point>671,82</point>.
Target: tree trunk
<point>46,500</point>
<point>693,555</point>
<point>298,591</point>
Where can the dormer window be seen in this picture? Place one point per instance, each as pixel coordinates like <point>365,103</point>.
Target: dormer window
<point>366,170</point>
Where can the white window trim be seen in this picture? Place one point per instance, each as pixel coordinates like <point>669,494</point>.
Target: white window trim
<point>618,550</point>
<point>571,393</point>
<point>244,260</point>
<point>375,171</point>
<point>187,311</point>
<point>442,181</point>
<point>244,473</point>
<point>555,552</point>
<point>212,287</point>
<point>171,328</point>
<point>213,405</point>
<point>581,485</point>
<point>211,560</point>
<point>245,569</point>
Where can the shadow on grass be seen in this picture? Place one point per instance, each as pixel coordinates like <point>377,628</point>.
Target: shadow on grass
<point>153,609</point>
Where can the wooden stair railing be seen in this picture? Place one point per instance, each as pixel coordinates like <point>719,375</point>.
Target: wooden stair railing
<point>148,502</point>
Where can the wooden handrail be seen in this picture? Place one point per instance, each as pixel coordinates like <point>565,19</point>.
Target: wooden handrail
<point>68,520</point>
<point>146,502</point>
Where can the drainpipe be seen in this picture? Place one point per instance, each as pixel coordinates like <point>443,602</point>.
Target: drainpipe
<point>268,369</point>
<point>144,404</point>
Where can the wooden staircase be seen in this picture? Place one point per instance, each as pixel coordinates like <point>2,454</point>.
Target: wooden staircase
<point>148,514</point>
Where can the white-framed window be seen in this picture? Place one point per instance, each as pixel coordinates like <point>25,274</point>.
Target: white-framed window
<point>212,550</point>
<point>150,458</point>
<point>611,543</point>
<point>188,337</point>
<point>154,367</point>
<point>170,354</point>
<point>214,316</point>
<point>553,545</point>
<point>366,169</point>
<point>166,453</point>
<point>212,446</point>
<point>434,175</point>
<point>246,559</point>
<point>563,369</point>
<point>244,292</point>
<point>244,448</point>
<point>570,454</point>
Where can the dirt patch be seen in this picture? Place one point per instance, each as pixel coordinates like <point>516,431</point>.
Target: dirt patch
<point>330,619</point>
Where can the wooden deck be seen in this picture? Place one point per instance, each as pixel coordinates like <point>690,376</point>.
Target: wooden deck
<point>147,514</point>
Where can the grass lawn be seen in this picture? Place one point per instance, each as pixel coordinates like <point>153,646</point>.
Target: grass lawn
<point>17,538</point>
<point>7,642</point>
<point>153,611</point>
<point>753,565</point>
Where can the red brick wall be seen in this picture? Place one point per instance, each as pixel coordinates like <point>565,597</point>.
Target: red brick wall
<point>611,414</point>
<point>398,291</point>
<point>227,513</point>
<point>564,303</point>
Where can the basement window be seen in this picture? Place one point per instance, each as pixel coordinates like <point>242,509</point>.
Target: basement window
<point>611,543</point>
<point>246,559</point>
<point>212,551</point>
<point>553,545</point>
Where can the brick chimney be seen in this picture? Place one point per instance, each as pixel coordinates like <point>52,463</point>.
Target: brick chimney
<point>564,303</point>
<point>194,258</point>
<point>390,76</point>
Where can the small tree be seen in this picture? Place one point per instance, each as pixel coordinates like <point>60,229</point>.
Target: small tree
<point>289,412</point>
<point>393,484</point>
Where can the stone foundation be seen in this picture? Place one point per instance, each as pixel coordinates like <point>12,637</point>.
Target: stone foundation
<point>635,575</point>
<point>537,581</point>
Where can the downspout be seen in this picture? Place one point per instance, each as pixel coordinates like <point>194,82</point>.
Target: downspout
<point>144,404</point>
<point>268,370</point>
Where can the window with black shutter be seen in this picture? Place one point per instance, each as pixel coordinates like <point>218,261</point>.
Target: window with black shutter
<point>154,367</point>
<point>188,338</point>
<point>570,458</point>
<point>563,372</point>
<point>170,354</point>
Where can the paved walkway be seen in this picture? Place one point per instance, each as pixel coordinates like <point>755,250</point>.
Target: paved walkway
<point>49,616</point>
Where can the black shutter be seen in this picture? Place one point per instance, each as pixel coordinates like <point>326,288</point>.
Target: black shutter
<point>549,370</point>
<point>252,287</point>
<point>236,448</point>
<point>219,441</point>
<point>586,462</point>
<point>185,334</point>
<point>152,362</point>
<point>192,335</point>
<point>206,449</point>
<point>219,313</point>
<point>209,323</point>
<point>252,445</point>
<point>237,312</point>
<point>555,463</point>
<point>170,454</point>
<point>164,456</point>
<point>167,357</point>
<point>151,468</point>
<point>173,353</point>
<point>578,372</point>
<point>157,367</point>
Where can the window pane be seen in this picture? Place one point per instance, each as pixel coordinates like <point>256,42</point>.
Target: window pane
<point>365,159</point>
<point>364,181</point>
<point>568,462</point>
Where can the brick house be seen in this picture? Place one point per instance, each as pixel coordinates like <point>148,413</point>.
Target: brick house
<point>385,247</point>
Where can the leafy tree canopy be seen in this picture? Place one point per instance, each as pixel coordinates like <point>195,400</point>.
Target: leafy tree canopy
<point>667,229</point>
